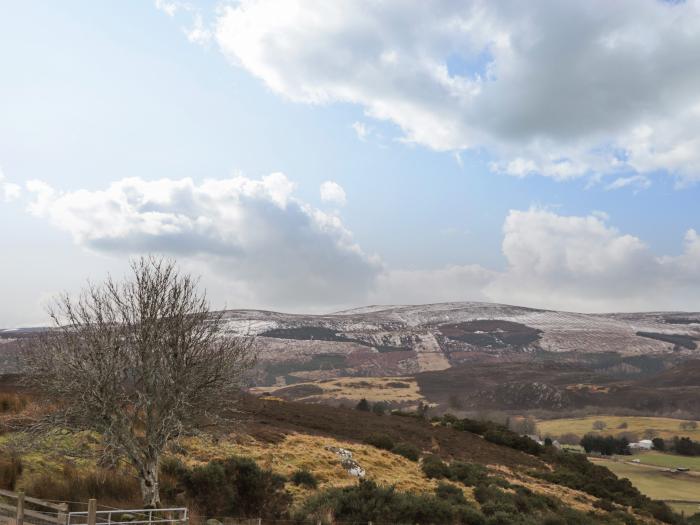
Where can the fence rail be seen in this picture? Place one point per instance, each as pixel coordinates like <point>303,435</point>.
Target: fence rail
<point>92,516</point>
<point>14,505</point>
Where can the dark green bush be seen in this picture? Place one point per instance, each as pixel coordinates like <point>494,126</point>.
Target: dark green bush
<point>512,440</point>
<point>369,502</point>
<point>363,405</point>
<point>450,493</point>
<point>407,450</point>
<point>304,478</point>
<point>236,487</point>
<point>467,473</point>
<point>380,441</point>
<point>380,407</point>
<point>434,467</point>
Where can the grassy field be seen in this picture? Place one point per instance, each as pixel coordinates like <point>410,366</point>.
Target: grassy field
<point>663,426</point>
<point>658,484</point>
<point>660,459</point>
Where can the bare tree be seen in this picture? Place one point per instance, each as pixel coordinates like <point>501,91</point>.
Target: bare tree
<point>140,361</point>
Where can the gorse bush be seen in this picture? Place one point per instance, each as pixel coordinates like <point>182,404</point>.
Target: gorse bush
<point>468,474</point>
<point>434,467</point>
<point>368,501</point>
<point>380,441</point>
<point>304,478</point>
<point>407,450</point>
<point>235,487</point>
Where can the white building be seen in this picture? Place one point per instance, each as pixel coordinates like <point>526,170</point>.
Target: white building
<point>644,444</point>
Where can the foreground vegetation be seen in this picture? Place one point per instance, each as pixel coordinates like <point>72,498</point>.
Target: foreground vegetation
<point>286,465</point>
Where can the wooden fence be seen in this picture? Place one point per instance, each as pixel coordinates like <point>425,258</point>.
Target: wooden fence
<point>18,509</point>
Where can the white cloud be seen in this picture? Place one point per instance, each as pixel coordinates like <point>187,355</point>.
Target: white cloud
<point>564,89</point>
<point>333,193</point>
<point>361,130</point>
<point>582,263</point>
<point>198,33</point>
<point>640,182</point>
<point>169,8</point>
<point>254,234</point>
<point>262,246</point>
<point>8,190</point>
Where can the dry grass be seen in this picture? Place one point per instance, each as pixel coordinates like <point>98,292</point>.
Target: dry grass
<point>303,451</point>
<point>356,388</point>
<point>664,427</point>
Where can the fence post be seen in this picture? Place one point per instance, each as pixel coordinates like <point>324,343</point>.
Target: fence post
<point>63,514</point>
<point>92,512</point>
<point>20,507</point>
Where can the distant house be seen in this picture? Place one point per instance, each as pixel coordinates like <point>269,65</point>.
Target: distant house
<point>644,444</point>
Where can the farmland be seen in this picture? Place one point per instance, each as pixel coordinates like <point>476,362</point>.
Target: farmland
<point>660,426</point>
<point>657,483</point>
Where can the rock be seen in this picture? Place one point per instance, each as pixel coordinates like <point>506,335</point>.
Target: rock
<point>351,466</point>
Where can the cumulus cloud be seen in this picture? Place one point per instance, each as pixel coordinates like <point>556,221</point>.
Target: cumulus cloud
<point>563,89</point>
<point>8,190</point>
<point>333,193</point>
<point>584,264</point>
<point>264,243</point>
<point>259,245</point>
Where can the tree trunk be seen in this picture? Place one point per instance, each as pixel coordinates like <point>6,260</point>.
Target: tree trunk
<point>149,484</point>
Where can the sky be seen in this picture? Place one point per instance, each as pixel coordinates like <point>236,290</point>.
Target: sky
<point>312,156</point>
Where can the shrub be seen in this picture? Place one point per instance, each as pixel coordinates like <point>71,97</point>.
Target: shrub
<point>599,425</point>
<point>407,450</point>
<point>363,405</point>
<point>510,439</point>
<point>304,478</point>
<point>623,425</point>
<point>450,493</point>
<point>236,487</point>
<point>380,408</point>
<point>368,501</point>
<point>434,467</point>
<point>467,473</point>
<point>380,441</point>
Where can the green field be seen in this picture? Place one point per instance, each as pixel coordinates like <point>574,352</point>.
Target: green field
<point>663,426</point>
<point>660,459</point>
<point>658,484</point>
